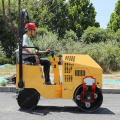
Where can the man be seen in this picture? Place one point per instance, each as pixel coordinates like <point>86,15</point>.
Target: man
<point>30,31</point>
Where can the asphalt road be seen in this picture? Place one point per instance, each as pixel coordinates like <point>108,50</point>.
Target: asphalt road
<point>58,109</point>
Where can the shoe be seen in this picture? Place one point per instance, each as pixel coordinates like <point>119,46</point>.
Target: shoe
<point>50,83</point>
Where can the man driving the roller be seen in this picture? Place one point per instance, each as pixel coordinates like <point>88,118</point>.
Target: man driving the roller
<point>30,31</point>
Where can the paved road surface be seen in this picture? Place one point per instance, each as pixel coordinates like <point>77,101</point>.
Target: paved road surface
<point>58,109</point>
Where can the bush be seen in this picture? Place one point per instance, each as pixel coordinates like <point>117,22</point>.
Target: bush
<point>4,60</point>
<point>48,41</point>
<point>70,47</point>
<point>106,54</point>
<point>7,39</point>
<point>117,35</point>
<point>2,53</point>
<point>106,35</point>
<point>70,35</point>
<point>90,35</point>
<point>3,83</point>
<point>93,35</point>
<point>41,31</point>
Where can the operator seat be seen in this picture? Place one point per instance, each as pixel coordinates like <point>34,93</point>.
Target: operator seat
<point>23,62</point>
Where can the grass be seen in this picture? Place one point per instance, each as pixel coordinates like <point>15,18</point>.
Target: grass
<point>9,70</point>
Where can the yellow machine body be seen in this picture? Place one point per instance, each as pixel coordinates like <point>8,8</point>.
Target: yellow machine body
<point>74,69</point>
<point>33,78</point>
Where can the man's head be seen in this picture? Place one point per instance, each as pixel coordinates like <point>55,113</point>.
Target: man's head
<point>31,29</point>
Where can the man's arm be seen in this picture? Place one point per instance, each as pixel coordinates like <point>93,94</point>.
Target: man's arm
<point>41,52</point>
<point>28,50</point>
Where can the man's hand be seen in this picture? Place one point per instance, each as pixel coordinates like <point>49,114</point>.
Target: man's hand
<point>42,52</point>
<point>48,50</point>
<point>37,59</point>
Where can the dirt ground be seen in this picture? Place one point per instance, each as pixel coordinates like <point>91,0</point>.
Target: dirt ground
<point>112,76</point>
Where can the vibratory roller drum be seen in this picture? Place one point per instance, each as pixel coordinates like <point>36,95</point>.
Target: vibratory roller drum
<point>88,101</point>
<point>28,98</point>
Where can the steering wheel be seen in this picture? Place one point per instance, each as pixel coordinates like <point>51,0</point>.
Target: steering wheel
<point>52,52</point>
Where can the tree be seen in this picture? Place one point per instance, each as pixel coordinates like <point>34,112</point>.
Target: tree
<point>7,40</point>
<point>81,15</point>
<point>56,15</point>
<point>70,35</point>
<point>117,35</point>
<point>6,11</point>
<point>114,22</point>
<point>1,51</point>
<point>10,19</point>
<point>90,35</point>
<point>10,10</point>
<point>75,15</point>
<point>93,34</point>
<point>58,20</point>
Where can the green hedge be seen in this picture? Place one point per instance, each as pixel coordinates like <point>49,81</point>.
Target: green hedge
<point>106,54</point>
<point>4,60</point>
<point>95,35</point>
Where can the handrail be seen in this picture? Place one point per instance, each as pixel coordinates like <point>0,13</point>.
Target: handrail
<point>21,83</point>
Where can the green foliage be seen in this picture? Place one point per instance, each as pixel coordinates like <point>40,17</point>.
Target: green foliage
<point>70,35</point>
<point>93,34</point>
<point>7,40</point>
<point>106,54</point>
<point>68,46</point>
<point>58,22</point>
<point>7,45</point>
<point>106,35</point>
<point>81,15</point>
<point>50,41</point>
<point>4,60</point>
<point>90,35</point>
<point>2,53</point>
<point>117,35</point>
<point>46,41</point>
<point>58,16</point>
<point>37,11</point>
<point>106,51</point>
<point>3,83</point>
<point>41,32</point>
<point>114,22</point>
<point>68,21</point>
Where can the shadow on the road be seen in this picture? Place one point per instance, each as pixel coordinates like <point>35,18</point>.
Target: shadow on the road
<point>44,110</point>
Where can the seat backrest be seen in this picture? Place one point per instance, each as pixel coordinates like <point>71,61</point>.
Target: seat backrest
<point>23,62</point>
<point>28,63</point>
<point>17,53</point>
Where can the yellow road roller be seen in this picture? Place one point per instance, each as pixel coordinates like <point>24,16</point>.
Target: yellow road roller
<point>81,80</point>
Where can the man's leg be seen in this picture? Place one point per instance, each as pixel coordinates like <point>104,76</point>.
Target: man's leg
<point>46,63</point>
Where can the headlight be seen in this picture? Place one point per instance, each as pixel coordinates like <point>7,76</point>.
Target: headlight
<point>89,81</point>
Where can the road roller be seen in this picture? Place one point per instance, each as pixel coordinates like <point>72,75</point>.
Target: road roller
<point>81,80</point>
